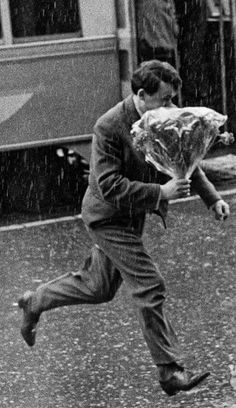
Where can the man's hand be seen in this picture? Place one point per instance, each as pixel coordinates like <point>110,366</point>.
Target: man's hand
<point>221,209</point>
<point>175,188</point>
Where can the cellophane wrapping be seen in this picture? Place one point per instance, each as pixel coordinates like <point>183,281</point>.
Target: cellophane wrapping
<point>175,140</point>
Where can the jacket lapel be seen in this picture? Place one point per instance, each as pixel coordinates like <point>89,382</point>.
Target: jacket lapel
<point>131,113</point>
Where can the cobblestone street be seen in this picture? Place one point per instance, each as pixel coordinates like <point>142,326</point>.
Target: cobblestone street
<point>95,356</point>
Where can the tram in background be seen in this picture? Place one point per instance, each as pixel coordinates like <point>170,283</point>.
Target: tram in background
<point>63,63</point>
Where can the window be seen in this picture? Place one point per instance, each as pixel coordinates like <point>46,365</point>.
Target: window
<point>214,8</point>
<point>30,18</point>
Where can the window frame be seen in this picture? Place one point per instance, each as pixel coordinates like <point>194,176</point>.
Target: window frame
<point>7,37</point>
<point>214,10</point>
<point>7,34</point>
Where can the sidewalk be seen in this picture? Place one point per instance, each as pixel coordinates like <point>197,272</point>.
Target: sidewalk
<point>221,170</point>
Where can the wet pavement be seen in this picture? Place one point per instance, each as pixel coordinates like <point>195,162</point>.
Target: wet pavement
<point>95,356</point>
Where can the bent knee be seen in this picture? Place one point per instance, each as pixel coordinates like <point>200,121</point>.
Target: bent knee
<point>103,295</point>
<point>152,292</point>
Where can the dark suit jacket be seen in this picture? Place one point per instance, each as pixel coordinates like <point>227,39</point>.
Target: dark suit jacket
<point>122,186</point>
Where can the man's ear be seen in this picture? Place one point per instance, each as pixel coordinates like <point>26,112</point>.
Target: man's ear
<point>141,94</point>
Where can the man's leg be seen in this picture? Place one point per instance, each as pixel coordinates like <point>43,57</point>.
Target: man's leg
<point>145,285</point>
<point>147,289</point>
<point>96,281</point>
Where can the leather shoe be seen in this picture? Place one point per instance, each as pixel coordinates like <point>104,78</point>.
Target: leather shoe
<point>182,380</point>
<point>30,319</point>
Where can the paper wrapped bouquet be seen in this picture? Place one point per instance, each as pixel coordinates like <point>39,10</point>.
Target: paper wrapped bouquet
<point>175,140</point>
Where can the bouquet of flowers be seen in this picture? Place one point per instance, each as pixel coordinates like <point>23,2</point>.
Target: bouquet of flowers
<point>175,140</point>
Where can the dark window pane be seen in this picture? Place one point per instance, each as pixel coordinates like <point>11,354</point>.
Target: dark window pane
<point>44,17</point>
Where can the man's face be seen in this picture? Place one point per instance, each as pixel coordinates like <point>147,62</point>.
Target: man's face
<point>162,98</point>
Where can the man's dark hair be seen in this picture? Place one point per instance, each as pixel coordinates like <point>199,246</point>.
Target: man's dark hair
<point>149,75</point>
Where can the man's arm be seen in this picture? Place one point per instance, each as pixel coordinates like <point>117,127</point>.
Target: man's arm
<point>106,164</point>
<point>206,190</point>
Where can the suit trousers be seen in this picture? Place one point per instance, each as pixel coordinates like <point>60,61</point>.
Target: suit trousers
<point>118,255</point>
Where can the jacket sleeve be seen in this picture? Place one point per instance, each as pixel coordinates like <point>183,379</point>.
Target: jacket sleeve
<point>106,163</point>
<point>204,188</point>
